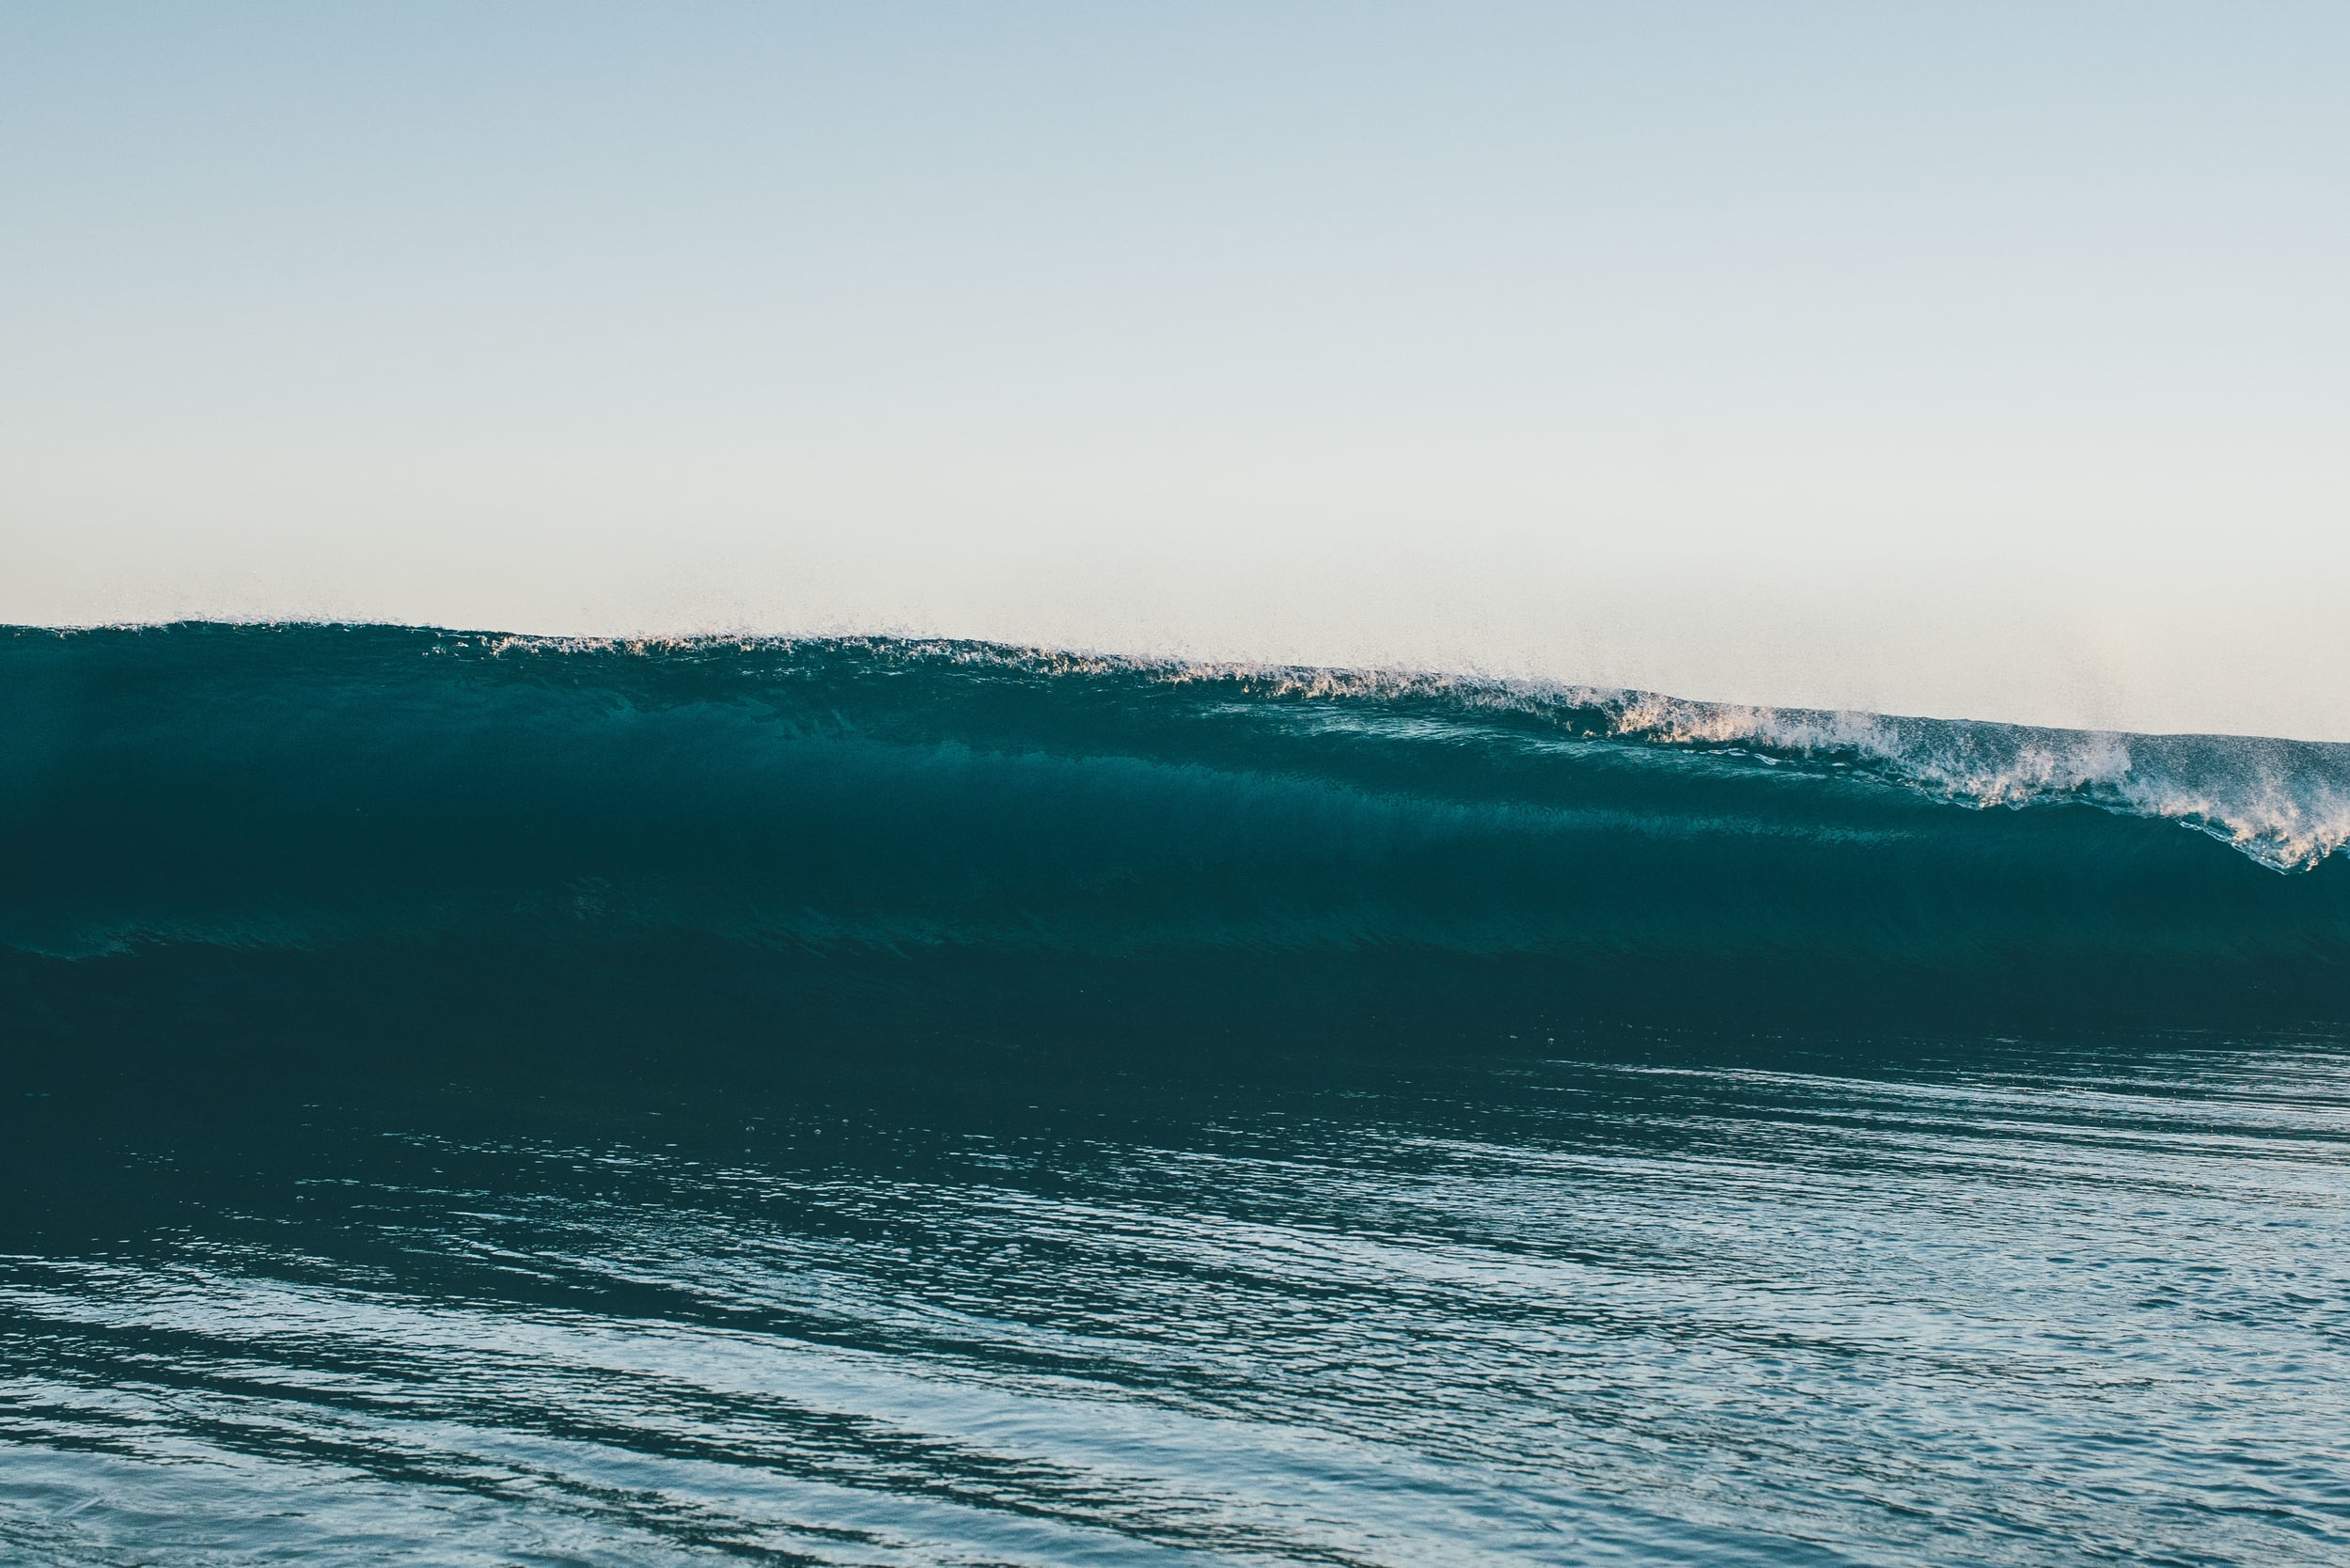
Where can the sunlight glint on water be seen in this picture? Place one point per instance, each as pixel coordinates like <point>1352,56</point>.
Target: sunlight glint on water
<point>1550,1311</point>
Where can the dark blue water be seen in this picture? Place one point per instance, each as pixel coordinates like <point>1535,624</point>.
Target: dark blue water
<point>467,1102</point>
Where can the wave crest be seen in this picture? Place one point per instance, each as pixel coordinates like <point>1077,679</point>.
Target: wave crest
<point>2285,804</point>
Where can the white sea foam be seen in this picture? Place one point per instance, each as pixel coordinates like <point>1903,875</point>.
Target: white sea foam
<point>2285,804</point>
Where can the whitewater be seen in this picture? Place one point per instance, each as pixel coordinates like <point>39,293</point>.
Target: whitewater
<point>478,1099</point>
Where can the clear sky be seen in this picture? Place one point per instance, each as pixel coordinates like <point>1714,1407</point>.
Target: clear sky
<point>1969,359</point>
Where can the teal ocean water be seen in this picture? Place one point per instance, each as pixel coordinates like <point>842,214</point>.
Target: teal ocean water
<point>477,1100</point>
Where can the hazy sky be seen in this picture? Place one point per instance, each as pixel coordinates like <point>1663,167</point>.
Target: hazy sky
<point>1972,359</point>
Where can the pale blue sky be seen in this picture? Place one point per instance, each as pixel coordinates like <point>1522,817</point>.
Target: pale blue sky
<point>1984,359</point>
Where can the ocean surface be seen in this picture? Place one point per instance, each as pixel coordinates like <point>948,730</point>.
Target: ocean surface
<point>477,1100</point>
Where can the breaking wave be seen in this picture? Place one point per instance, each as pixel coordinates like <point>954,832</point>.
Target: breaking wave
<point>376,829</point>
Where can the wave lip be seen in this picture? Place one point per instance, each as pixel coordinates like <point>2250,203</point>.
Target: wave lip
<point>2285,804</point>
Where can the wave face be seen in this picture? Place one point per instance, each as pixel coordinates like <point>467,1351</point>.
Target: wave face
<point>765,838</point>
<point>477,1101</point>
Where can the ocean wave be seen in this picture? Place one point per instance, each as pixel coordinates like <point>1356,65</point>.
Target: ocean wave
<point>949,821</point>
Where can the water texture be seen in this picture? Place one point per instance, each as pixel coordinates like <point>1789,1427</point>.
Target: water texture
<point>471,1100</point>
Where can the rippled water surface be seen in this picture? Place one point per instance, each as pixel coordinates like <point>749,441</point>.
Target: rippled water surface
<point>1615,1301</point>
